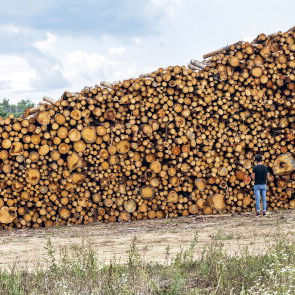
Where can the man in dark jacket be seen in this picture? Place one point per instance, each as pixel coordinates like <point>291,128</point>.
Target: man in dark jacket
<point>260,175</point>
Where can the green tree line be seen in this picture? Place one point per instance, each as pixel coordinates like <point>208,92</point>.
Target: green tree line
<point>6,108</point>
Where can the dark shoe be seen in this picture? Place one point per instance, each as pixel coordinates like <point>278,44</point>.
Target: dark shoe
<point>264,213</point>
<point>257,213</point>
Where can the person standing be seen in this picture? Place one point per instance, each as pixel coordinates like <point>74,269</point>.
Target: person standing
<point>260,175</point>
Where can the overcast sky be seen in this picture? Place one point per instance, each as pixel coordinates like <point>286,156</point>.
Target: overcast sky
<point>49,46</point>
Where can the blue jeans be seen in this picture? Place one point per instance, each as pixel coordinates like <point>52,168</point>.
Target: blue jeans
<point>260,191</point>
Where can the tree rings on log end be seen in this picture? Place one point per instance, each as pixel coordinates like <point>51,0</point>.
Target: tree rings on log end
<point>16,148</point>
<point>43,117</point>
<point>200,184</point>
<point>284,164</point>
<point>172,197</point>
<point>156,166</point>
<point>193,209</point>
<point>124,216</point>
<point>89,134</point>
<point>123,146</point>
<point>7,214</point>
<point>74,135</point>
<point>64,213</point>
<point>32,176</point>
<point>218,201</point>
<point>130,206</point>
<point>207,211</point>
<point>147,192</point>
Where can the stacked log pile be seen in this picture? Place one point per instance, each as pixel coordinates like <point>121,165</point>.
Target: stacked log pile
<point>174,142</point>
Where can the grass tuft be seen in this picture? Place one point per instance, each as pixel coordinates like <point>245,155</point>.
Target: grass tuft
<point>221,235</point>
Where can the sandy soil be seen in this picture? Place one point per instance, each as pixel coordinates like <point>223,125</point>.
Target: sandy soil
<point>26,248</point>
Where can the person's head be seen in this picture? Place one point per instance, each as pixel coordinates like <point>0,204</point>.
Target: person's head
<point>258,158</point>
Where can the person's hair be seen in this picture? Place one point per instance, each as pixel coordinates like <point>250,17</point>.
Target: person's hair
<point>258,158</point>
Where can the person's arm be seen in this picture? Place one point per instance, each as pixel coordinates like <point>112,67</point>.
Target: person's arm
<point>253,174</point>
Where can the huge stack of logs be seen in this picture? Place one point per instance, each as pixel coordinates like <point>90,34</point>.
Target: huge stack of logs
<point>175,142</point>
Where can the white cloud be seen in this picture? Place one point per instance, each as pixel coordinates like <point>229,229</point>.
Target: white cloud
<point>86,61</point>
<point>158,3</point>
<point>82,66</point>
<point>167,7</point>
<point>47,44</point>
<point>10,28</point>
<point>116,50</point>
<point>248,38</point>
<point>16,74</point>
<point>136,40</point>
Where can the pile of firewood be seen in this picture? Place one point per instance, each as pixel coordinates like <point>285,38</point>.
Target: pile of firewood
<point>174,142</point>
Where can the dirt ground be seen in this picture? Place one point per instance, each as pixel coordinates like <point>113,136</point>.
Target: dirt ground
<point>26,248</point>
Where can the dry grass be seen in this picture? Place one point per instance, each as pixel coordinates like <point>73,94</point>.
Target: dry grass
<point>213,272</point>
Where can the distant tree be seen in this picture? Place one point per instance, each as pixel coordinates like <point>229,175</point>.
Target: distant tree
<point>21,106</point>
<point>4,105</point>
<point>16,109</point>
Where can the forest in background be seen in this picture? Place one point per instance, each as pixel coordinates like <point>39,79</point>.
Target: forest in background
<point>7,108</point>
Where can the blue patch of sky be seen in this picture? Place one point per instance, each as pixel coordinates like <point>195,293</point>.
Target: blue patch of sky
<point>115,17</point>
